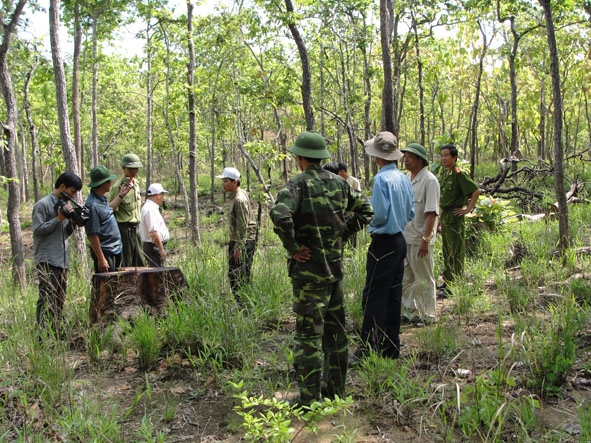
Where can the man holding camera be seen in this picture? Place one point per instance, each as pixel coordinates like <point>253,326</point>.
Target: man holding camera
<point>52,226</point>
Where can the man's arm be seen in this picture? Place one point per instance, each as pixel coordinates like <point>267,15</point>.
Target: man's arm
<point>95,244</point>
<point>157,240</point>
<point>429,223</point>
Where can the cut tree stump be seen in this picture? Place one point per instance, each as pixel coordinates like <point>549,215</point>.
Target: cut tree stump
<point>125,293</point>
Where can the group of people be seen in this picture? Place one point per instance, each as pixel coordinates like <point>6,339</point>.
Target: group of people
<point>317,209</point>
<point>121,232</point>
<point>313,215</point>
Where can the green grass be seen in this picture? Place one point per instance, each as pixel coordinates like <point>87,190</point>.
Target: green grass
<point>136,380</point>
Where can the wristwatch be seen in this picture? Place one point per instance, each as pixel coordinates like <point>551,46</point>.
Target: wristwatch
<point>427,239</point>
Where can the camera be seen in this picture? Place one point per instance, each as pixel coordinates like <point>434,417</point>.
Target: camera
<point>79,214</point>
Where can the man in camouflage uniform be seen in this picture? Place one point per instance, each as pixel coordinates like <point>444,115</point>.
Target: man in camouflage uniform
<point>309,218</point>
<point>456,187</point>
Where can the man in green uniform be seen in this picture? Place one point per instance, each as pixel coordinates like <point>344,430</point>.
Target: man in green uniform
<point>456,188</point>
<point>243,229</point>
<point>126,201</point>
<point>310,218</point>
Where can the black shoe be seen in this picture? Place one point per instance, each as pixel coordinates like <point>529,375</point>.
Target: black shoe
<point>404,320</point>
<point>443,293</point>
<point>297,403</point>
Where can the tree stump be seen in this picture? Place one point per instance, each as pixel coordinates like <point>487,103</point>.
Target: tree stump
<point>123,294</point>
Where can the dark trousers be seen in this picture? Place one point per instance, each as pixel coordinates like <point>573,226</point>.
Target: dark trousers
<point>53,282</point>
<point>453,245</point>
<point>382,295</point>
<point>321,345</point>
<point>132,245</point>
<point>239,272</point>
<point>114,261</point>
<point>152,254</point>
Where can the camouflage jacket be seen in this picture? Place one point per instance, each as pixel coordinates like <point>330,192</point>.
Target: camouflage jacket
<point>314,210</point>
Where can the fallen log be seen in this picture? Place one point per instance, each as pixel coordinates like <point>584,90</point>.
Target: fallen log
<point>125,293</point>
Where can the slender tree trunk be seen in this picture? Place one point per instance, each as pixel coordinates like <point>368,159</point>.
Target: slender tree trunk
<point>420,85</point>
<point>472,137</point>
<point>194,197</point>
<point>94,130</point>
<point>306,74</point>
<point>32,128</point>
<point>149,103</point>
<point>388,115</point>
<point>76,88</point>
<point>9,132</point>
<point>22,163</point>
<point>68,150</point>
<point>563,242</point>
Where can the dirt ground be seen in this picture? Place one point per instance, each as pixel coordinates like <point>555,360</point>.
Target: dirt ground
<point>201,406</point>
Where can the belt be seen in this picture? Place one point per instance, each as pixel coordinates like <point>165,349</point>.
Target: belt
<point>385,235</point>
<point>128,225</point>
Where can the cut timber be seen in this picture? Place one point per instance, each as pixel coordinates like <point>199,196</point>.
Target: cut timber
<point>125,293</point>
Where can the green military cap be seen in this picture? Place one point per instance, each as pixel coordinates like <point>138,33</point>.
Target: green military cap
<point>100,175</point>
<point>416,149</point>
<point>310,144</point>
<point>130,161</point>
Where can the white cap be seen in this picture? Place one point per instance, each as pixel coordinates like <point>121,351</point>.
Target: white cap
<point>231,173</point>
<point>155,189</point>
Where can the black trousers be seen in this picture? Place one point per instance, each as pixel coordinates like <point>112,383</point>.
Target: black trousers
<point>239,272</point>
<point>53,282</point>
<point>152,254</point>
<point>382,295</point>
<point>114,261</point>
<point>132,245</point>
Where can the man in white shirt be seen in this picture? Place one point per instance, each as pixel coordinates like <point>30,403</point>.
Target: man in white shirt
<point>153,230</point>
<point>418,285</point>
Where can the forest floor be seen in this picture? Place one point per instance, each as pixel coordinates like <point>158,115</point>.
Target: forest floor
<point>203,404</point>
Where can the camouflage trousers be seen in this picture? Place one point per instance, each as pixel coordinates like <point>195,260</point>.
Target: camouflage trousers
<point>321,353</point>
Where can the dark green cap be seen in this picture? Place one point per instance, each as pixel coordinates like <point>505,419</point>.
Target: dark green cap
<point>99,175</point>
<point>310,144</point>
<point>416,149</point>
<point>130,161</point>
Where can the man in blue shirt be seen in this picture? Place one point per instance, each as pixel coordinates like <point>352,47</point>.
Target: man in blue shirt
<point>393,203</point>
<point>101,228</point>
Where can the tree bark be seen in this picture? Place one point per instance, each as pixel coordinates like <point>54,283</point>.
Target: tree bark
<point>76,87</point>
<point>306,74</point>
<point>32,128</point>
<point>559,187</point>
<point>68,149</point>
<point>9,131</point>
<point>388,115</point>
<point>194,197</point>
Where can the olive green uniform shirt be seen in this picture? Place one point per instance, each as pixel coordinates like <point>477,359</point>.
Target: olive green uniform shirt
<point>130,208</point>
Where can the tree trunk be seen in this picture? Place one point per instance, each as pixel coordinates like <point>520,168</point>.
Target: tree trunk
<point>194,197</point>
<point>94,161</point>
<point>68,150</point>
<point>149,104</point>
<point>420,85</point>
<point>32,128</point>
<point>125,293</point>
<point>306,74</point>
<point>472,136</point>
<point>388,115</point>
<point>9,131</point>
<point>76,88</point>
<point>563,241</point>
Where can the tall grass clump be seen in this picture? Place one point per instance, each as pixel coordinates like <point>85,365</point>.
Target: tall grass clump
<point>440,341</point>
<point>549,348</point>
<point>145,336</point>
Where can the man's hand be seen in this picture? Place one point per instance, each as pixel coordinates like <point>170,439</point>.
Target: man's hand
<point>237,254</point>
<point>103,264</point>
<point>303,255</point>
<point>423,249</point>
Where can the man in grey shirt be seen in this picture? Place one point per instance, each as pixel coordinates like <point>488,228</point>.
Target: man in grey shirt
<point>51,228</point>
